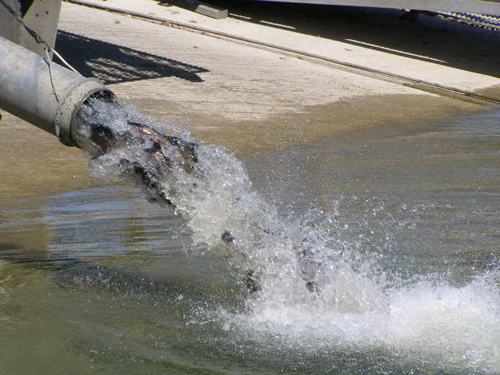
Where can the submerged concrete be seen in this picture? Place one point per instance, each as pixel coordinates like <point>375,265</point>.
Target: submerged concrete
<point>227,92</point>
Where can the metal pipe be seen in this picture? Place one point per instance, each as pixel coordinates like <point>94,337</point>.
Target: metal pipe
<point>42,92</point>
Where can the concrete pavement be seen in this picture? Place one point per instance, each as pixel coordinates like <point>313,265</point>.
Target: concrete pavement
<point>424,49</point>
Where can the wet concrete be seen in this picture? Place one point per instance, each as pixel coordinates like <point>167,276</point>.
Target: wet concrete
<point>317,122</point>
<point>34,163</point>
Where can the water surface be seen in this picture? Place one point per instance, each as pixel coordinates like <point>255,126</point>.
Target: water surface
<point>401,221</point>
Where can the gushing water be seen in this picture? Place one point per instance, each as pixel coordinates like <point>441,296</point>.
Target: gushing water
<point>313,292</point>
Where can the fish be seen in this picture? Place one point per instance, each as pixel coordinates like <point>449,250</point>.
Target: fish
<point>149,170</point>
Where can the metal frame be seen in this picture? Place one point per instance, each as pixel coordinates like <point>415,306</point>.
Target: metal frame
<point>41,16</point>
<point>464,6</point>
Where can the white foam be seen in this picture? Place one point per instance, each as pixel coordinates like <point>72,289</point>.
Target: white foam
<point>428,320</point>
<point>446,326</point>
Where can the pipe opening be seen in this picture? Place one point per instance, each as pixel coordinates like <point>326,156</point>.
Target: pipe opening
<point>130,145</point>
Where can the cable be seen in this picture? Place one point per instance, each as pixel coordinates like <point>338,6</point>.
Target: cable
<point>47,47</point>
<point>37,37</point>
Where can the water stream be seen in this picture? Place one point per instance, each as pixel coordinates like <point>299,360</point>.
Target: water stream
<point>396,227</point>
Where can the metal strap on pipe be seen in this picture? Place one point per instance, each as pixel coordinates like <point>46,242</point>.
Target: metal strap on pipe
<point>48,96</point>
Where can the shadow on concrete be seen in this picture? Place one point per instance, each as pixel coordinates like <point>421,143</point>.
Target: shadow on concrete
<point>423,37</point>
<point>113,63</point>
<point>185,4</point>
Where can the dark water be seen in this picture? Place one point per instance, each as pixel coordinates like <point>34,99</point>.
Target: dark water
<point>403,221</point>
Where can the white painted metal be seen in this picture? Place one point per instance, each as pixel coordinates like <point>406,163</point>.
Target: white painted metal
<point>465,6</point>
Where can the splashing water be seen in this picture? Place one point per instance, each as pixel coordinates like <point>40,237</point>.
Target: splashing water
<point>314,293</point>
<point>215,198</point>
